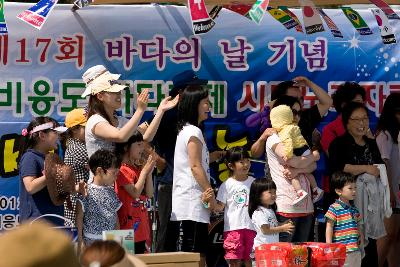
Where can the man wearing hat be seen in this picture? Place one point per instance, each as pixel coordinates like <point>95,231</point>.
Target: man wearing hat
<point>164,143</point>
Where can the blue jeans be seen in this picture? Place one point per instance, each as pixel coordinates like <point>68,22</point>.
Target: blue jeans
<point>301,230</point>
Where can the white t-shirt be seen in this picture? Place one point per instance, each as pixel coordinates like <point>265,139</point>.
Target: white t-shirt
<point>262,216</point>
<point>235,196</point>
<point>186,192</point>
<point>285,193</point>
<point>390,151</point>
<point>93,142</point>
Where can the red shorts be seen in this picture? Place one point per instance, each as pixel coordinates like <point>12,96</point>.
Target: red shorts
<point>238,244</point>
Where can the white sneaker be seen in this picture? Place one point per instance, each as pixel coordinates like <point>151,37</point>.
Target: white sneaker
<point>317,194</point>
<point>301,195</point>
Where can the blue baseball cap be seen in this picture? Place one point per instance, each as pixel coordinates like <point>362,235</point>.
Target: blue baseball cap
<point>183,79</point>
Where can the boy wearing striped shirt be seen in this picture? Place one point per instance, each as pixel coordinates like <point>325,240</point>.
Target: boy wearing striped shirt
<point>343,219</point>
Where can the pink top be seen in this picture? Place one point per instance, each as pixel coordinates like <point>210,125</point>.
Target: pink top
<point>332,130</point>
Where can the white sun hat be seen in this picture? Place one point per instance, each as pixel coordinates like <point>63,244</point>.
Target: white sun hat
<point>99,79</point>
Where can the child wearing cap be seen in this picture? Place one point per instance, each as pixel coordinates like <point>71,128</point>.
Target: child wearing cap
<point>76,153</point>
<point>41,137</point>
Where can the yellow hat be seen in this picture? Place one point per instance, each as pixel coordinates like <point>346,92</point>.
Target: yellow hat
<point>99,79</point>
<point>37,245</point>
<point>75,117</point>
<point>281,116</point>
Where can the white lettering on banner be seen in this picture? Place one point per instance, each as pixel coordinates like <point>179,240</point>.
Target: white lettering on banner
<point>9,203</point>
<point>8,221</point>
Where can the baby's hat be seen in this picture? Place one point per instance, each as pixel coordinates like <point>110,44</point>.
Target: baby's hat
<point>281,116</point>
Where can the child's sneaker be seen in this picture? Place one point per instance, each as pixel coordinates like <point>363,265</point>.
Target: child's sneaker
<point>317,194</point>
<point>301,195</point>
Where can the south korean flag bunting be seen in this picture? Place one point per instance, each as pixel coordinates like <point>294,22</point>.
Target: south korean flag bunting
<point>37,15</point>
<point>257,11</point>
<point>331,25</point>
<point>201,21</point>
<point>3,25</point>
<point>311,18</point>
<point>385,8</point>
<point>384,27</point>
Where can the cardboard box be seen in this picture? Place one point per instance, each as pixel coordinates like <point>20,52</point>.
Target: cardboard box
<point>172,259</point>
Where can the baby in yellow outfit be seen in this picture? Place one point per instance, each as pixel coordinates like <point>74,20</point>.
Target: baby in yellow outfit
<point>294,144</point>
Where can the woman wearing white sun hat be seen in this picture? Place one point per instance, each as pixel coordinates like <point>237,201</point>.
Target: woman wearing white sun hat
<point>103,127</point>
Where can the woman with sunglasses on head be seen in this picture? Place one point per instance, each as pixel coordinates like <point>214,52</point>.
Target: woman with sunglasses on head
<point>287,200</point>
<point>103,127</point>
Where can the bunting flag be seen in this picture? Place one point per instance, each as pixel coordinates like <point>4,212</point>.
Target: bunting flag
<point>78,4</point>
<point>3,25</point>
<point>312,20</point>
<point>257,11</point>
<point>384,27</point>
<point>385,8</point>
<point>357,21</point>
<point>37,15</point>
<point>215,12</point>
<point>282,17</point>
<point>331,25</point>
<point>201,21</point>
<point>299,28</point>
<point>240,9</point>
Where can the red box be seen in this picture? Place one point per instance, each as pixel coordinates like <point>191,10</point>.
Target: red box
<point>326,255</point>
<point>281,255</point>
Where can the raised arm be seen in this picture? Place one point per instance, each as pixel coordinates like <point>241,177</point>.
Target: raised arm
<point>325,101</point>
<point>258,148</point>
<point>109,132</point>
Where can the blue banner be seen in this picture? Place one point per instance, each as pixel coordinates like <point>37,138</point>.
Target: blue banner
<point>40,71</point>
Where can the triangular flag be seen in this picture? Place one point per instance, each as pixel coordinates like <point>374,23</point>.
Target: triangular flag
<point>311,18</point>
<point>240,9</point>
<point>78,4</point>
<point>385,8</point>
<point>282,17</point>
<point>257,11</point>
<point>357,21</point>
<point>3,25</point>
<point>201,21</point>
<point>384,26</point>
<point>331,25</point>
<point>37,15</point>
<point>215,12</point>
<point>299,28</point>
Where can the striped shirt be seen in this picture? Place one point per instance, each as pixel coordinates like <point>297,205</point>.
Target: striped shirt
<point>346,219</point>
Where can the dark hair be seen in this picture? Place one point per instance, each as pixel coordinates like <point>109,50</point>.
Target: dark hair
<point>345,94</point>
<point>189,100</point>
<point>236,154</point>
<point>95,106</point>
<point>104,159</point>
<point>121,148</point>
<point>281,89</point>
<point>286,100</point>
<point>349,109</point>
<point>340,179</point>
<point>107,253</point>
<point>388,121</point>
<point>31,140</point>
<point>67,135</point>
<point>256,190</point>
